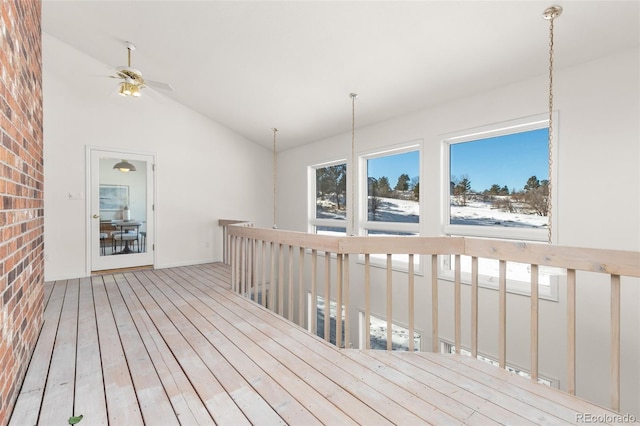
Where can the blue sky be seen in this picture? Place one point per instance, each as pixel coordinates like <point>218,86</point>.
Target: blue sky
<point>504,160</point>
<point>392,166</point>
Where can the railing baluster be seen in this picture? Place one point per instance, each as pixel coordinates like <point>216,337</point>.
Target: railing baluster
<point>263,297</point>
<point>313,306</point>
<point>339,300</point>
<point>272,283</point>
<point>534,323</point>
<point>281,280</point>
<point>232,259</point>
<point>502,315</point>
<point>225,245</point>
<point>301,291</point>
<point>615,342</point>
<point>246,253</point>
<point>243,267</point>
<point>254,265</point>
<point>290,286</point>
<point>474,307</point>
<point>435,344</point>
<point>367,299</point>
<point>327,296</point>
<point>411,279</point>
<point>457,302</point>
<point>346,302</point>
<point>389,302</point>
<point>571,331</point>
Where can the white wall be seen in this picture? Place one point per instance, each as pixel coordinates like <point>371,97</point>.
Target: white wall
<point>598,205</point>
<point>204,171</point>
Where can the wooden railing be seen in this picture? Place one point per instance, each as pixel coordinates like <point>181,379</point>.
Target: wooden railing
<point>265,262</point>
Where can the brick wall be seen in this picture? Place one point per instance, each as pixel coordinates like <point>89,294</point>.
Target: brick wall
<point>21,198</point>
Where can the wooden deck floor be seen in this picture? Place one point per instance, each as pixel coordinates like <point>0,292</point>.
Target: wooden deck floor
<point>176,346</point>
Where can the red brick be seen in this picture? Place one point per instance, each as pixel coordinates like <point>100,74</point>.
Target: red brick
<point>21,168</point>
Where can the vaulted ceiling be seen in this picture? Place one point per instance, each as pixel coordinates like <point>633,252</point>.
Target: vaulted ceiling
<point>255,65</point>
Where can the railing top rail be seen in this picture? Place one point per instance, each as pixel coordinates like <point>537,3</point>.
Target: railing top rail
<point>401,245</point>
<point>292,238</point>
<point>228,222</point>
<point>616,262</point>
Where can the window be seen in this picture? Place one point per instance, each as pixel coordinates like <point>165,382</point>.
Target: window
<point>319,313</point>
<point>518,275</point>
<point>328,203</point>
<point>378,335</point>
<point>497,181</point>
<point>449,348</point>
<point>497,186</point>
<point>390,184</point>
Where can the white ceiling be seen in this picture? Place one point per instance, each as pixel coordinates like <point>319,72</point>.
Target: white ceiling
<point>255,65</point>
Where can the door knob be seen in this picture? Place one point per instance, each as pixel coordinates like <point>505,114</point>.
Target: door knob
<point>96,216</point>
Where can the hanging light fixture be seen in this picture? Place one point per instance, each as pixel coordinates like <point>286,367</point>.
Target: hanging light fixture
<point>275,176</point>
<point>353,97</point>
<point>550,14</point>
<point>125,89</point>
<point>133,82</point>
<point>124,166</point>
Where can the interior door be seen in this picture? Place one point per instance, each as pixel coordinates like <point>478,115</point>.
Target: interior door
<point>121,209</point>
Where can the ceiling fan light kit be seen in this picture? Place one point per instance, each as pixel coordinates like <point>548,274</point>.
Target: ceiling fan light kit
<point>132,82</point>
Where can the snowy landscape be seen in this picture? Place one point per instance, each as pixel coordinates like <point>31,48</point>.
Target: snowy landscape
<point>475,212</point>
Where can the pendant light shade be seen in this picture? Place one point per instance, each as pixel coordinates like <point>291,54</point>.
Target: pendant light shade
<point>125,166</point>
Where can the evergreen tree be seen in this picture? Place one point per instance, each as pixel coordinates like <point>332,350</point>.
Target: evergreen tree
<point>403,183</point>
<point>384,189</point>
<point>532,183</point>
<point>462,189</point>
<point>373,186</point>
<point>332,180</point>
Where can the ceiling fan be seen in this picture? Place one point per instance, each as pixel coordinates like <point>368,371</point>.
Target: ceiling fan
<point>132,81</point>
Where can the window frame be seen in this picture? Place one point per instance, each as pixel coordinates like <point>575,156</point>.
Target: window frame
<point>311,312</point>
<point>536,122</point>
<point>364,225</point>
<point>362,330</point>
<point>312,221</point>
<point>546,292</point>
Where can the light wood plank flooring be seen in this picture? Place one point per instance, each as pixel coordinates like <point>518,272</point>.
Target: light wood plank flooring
<point>176,346</point>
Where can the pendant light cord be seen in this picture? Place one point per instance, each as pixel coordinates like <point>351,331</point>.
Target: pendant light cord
<point>275,175</point>
<point>551,14</point>
<point>353,96</point>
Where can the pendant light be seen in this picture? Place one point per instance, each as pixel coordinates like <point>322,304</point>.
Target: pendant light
<point>125,166</point>
<point>275,176</point>
<point>550,14</point>
<point>352,177</point>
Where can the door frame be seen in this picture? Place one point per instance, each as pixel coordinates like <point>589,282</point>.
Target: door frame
<point>88,199</point>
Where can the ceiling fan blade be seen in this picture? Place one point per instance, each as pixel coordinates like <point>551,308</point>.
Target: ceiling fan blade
<point>158,85</point>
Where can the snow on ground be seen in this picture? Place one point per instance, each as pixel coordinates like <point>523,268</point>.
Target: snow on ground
<point>481,214</point>
<point>474,213</point>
